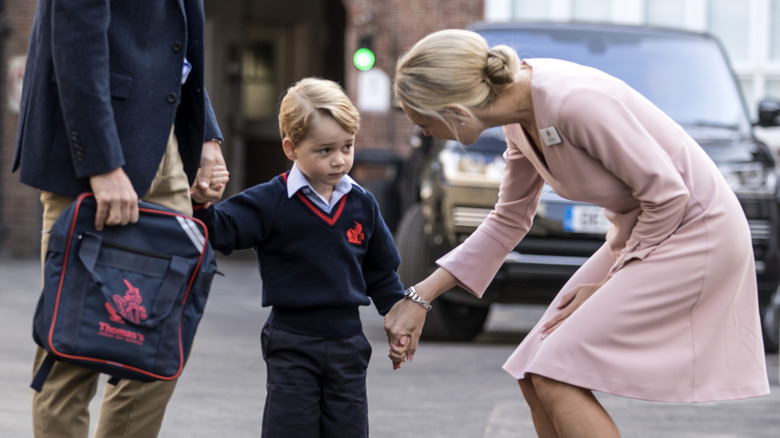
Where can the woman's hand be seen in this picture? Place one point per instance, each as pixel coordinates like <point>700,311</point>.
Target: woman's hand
<point>404,321</point>
<point>570,302</point>
<point>403,325</point>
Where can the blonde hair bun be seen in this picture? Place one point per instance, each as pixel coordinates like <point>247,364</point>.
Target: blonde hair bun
<point>501,65</point>
<point>453,66</point>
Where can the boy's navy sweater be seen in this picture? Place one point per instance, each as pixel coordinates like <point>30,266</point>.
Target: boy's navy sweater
<point>316,268</point>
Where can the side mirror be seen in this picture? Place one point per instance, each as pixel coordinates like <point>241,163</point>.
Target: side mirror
<point>769,113</point>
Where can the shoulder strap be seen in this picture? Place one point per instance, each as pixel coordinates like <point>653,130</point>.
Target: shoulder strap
<point>43,372</point>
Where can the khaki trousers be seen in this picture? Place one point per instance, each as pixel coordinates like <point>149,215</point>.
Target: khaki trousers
<point>130,409</point>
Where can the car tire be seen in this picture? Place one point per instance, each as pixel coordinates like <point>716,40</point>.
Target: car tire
<point>447,320</point>
<point>771,323</point>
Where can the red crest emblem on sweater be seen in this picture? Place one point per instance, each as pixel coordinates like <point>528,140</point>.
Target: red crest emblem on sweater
<point>355,235</point>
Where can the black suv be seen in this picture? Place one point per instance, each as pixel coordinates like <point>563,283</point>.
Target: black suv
<point>448,189</point>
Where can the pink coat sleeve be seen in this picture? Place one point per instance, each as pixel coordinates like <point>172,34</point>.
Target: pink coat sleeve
<point>475,262</point>
<point>611,132</point>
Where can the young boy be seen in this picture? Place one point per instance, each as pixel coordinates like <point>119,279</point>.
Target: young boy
<point>323,250</point>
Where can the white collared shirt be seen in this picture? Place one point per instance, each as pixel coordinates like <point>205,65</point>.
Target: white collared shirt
<point>297,181</point>
<point>186,68</point>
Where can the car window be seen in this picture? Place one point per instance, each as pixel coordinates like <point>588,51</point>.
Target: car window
<point>490,141</point>
<point>687,77</point>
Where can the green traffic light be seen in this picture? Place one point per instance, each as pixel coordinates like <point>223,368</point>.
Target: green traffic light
<point>364,59</point>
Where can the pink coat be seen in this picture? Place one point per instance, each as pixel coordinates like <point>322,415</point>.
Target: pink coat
<point>678,321</point>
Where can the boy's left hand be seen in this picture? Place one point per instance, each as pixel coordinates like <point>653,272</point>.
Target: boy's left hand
<point>398,352</point>
<point>403,326</point>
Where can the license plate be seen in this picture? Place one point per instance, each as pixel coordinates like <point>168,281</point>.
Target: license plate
<point>585,219</point>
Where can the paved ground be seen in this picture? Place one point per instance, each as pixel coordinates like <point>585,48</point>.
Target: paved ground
<point>450,390</point>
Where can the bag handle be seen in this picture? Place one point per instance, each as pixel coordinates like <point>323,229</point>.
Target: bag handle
<point>174,277</point>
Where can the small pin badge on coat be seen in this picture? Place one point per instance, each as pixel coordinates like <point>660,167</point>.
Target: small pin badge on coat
<point>550,136</point>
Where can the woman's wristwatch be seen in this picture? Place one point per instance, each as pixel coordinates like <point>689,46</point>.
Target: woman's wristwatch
<point>411,294</point>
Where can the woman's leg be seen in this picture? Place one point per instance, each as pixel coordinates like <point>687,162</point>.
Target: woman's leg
<point>542,421</point>
<point>575,412</point>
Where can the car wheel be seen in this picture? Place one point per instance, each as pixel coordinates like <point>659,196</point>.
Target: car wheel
<point>448,320</point>
<point>771,323</point>
<point>451,321</point>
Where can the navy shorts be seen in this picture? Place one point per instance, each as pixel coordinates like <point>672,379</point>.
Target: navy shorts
<point>316,387</point>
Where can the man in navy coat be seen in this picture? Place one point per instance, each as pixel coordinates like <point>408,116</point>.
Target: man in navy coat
<point>113,102</point>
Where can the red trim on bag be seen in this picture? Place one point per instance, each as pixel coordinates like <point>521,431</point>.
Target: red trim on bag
<point>184,300</point>
<point>64,270</point>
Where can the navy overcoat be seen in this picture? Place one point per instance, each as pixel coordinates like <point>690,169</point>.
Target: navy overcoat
<point>102,89</point>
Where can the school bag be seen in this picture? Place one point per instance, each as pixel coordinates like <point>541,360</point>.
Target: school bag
<point>125,301</point>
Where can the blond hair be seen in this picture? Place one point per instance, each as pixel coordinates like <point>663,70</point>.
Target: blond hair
<point>309,97</point>
<point>452,67</point>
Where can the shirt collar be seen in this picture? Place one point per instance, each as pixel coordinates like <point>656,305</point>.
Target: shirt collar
<point>296,181</point>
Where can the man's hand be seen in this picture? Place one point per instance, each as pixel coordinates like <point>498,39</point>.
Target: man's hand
<point>117,201</point>
<point>212,175</point>
<point>216,188</point>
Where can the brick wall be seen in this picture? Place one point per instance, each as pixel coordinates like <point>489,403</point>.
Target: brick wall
<point>396,26</point>
<point>20,210</point>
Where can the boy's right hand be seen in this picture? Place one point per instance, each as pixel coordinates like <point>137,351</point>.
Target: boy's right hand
<point>216,188</point>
